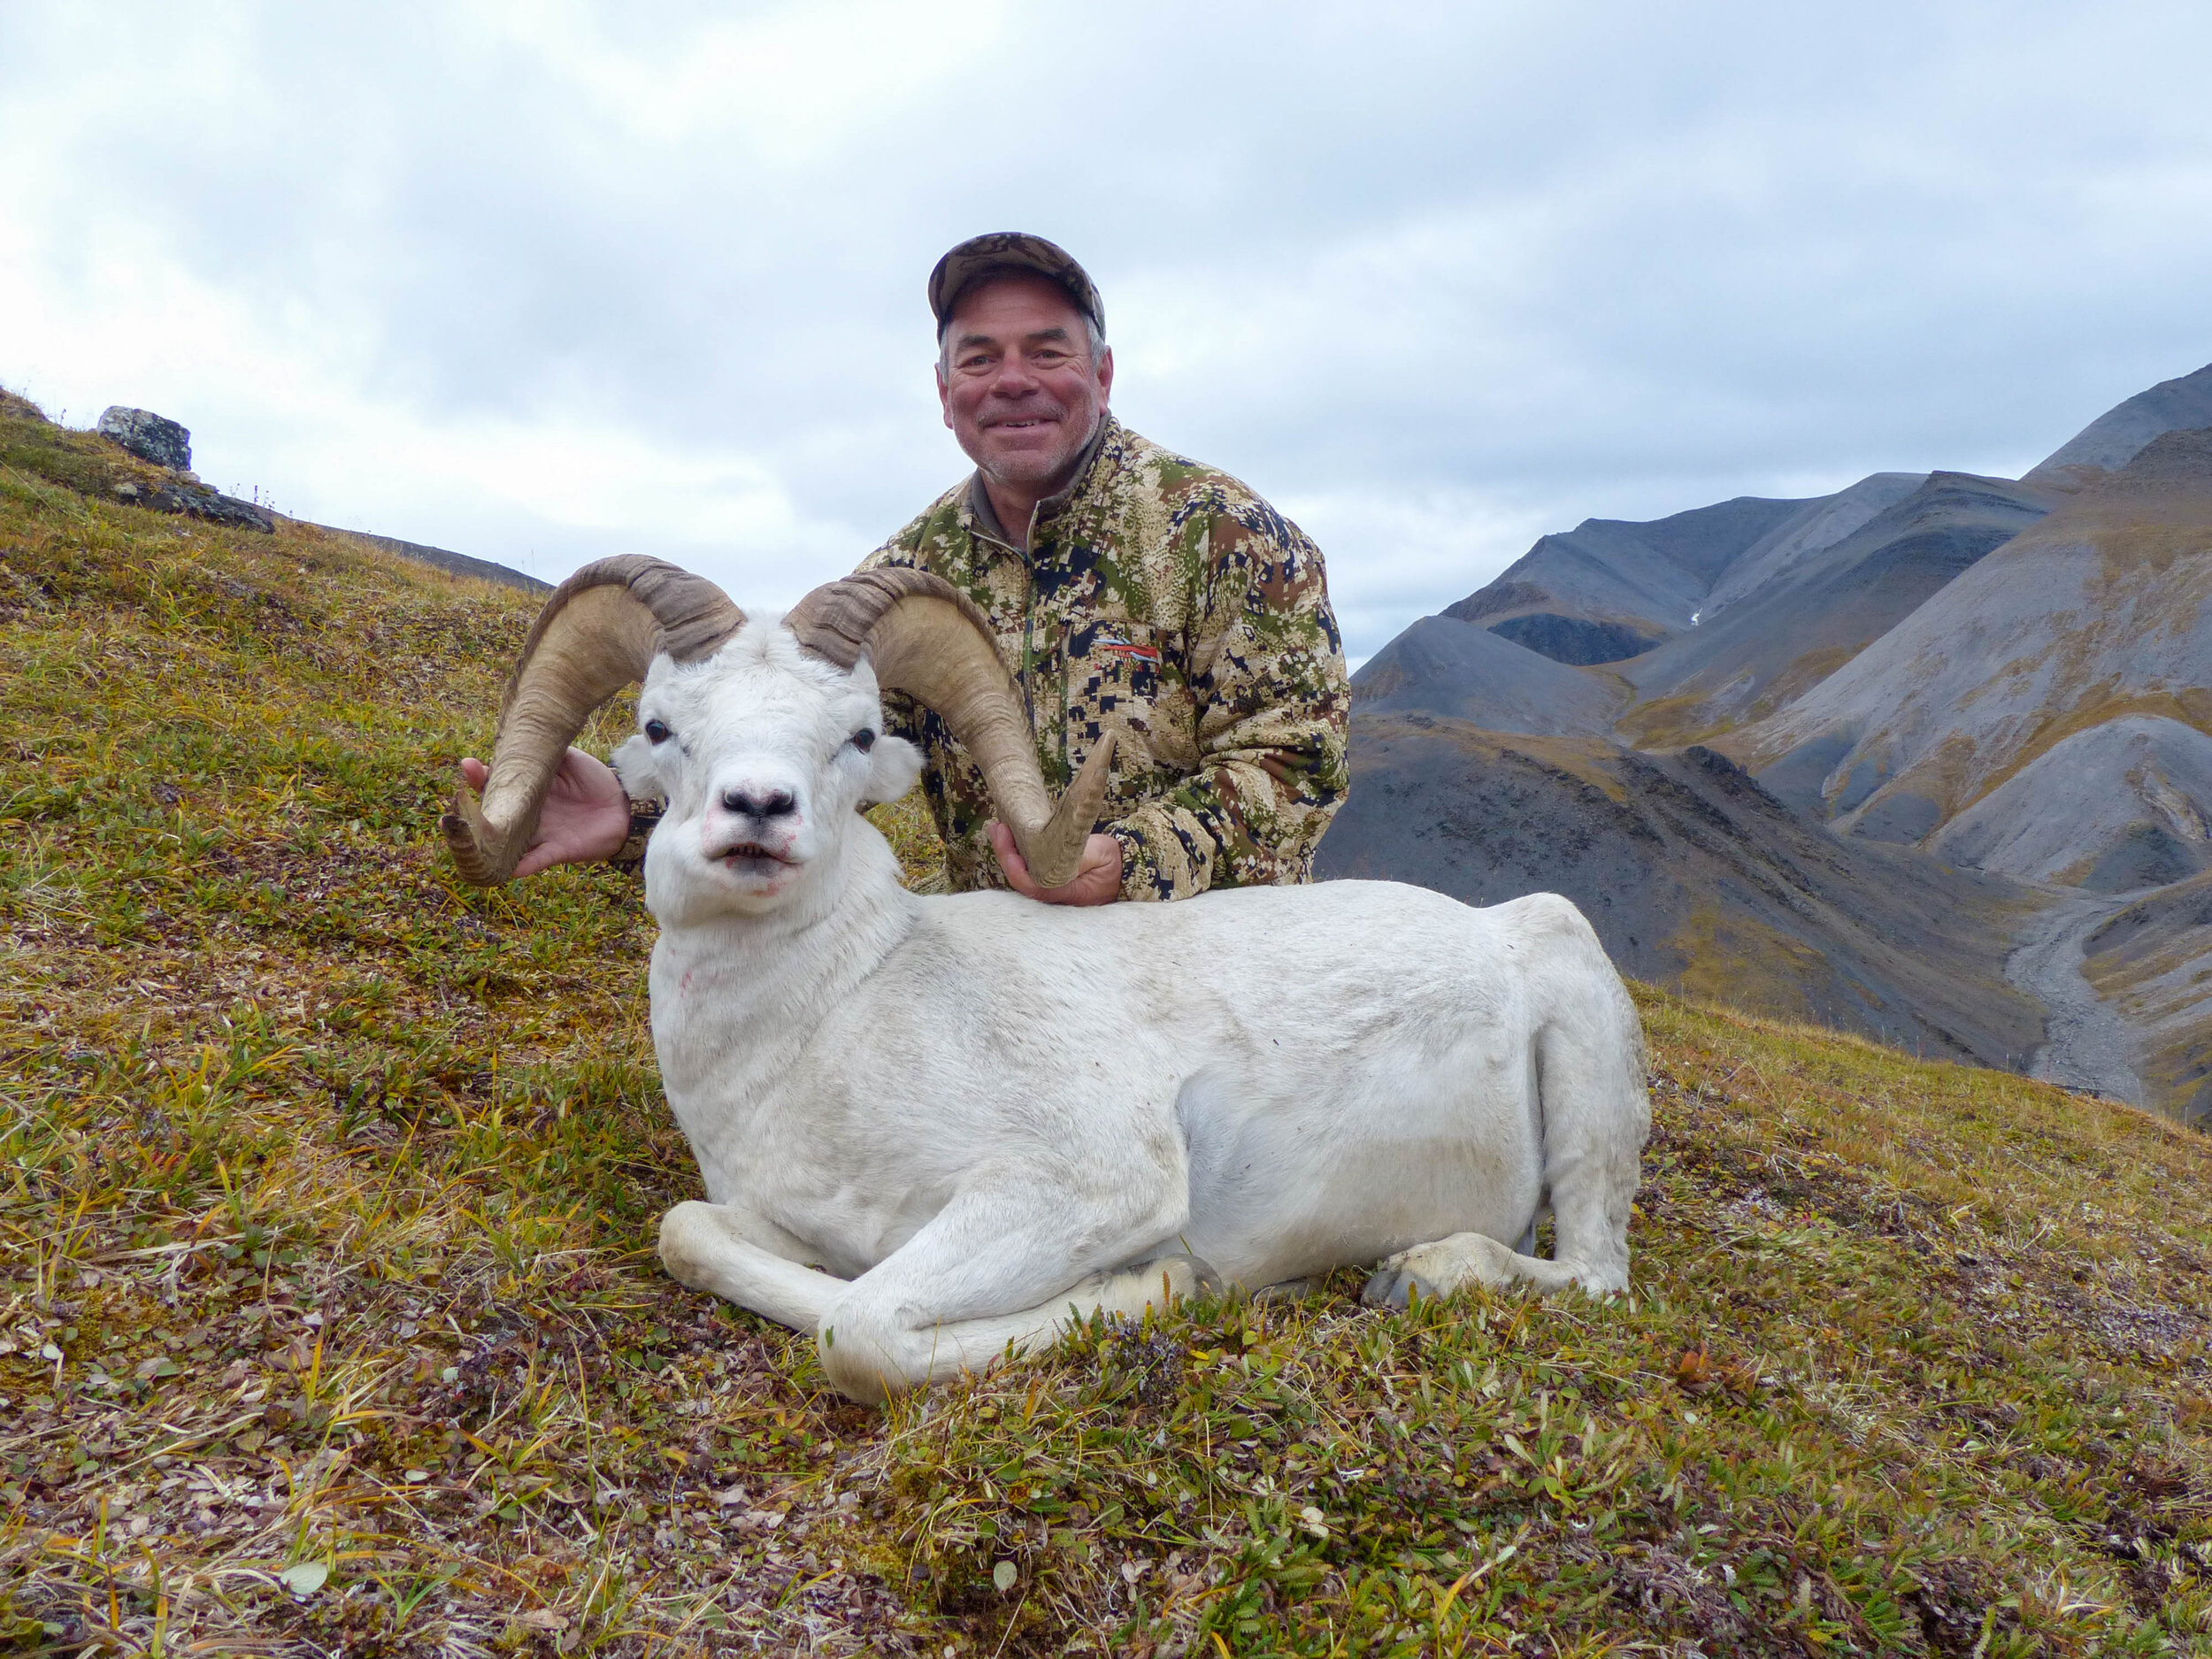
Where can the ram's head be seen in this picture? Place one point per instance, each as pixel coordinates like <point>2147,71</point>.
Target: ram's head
<point>762,736</point>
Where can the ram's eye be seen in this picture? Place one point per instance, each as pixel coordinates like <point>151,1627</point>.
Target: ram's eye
<point>656,731</point>
<point>864,739</point>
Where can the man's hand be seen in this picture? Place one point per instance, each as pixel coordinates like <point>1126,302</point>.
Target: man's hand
<point>1097,879</point>
<point>587,816</point>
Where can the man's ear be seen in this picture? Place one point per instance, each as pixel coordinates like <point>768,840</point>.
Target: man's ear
<point>894,765</point>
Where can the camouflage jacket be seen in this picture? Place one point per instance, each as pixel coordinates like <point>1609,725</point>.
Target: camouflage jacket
<point>1166,602</point>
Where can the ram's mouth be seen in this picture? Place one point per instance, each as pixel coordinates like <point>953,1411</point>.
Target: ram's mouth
<point>753,853</point>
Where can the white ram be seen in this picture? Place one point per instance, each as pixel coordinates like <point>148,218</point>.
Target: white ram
<point>931,1126</point>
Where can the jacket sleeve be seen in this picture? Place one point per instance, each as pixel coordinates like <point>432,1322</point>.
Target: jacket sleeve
<point>1267,668</point>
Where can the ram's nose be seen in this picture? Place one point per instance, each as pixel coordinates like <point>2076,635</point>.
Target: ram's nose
<point>759,803</point>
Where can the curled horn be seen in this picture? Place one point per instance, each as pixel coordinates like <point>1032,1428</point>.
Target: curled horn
<point>599,632</point>
<point>926,638</point>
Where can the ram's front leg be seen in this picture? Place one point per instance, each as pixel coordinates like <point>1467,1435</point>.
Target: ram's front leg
<point>999,1265</point>
<point>744,1258</point>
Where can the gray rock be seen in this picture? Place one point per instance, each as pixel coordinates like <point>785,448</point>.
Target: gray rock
<point>148,437</point>
<point>197,500</point>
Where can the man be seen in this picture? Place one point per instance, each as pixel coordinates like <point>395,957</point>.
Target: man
<point>1132,590</point>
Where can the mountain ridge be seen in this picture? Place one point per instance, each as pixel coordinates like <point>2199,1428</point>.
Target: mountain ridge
<point>2005,679</point>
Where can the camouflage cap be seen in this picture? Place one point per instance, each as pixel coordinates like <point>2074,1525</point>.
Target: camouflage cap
<point>1021,250</point>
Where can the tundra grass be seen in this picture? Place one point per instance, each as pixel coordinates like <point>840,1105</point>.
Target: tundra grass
<point>329,1322</point>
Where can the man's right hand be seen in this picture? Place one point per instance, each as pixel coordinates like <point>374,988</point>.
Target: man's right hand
<point>587,816</point>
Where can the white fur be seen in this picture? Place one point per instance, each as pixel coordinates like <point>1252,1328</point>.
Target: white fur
<point>978,1112</point>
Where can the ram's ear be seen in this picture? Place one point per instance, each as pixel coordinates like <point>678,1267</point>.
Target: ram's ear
<point>894,765</point>
<point>637,763</point>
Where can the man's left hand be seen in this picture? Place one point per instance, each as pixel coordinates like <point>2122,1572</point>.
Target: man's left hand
<point>1097,879</point>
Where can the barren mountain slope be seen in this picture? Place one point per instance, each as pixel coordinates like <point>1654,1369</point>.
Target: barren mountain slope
<point>1440,665</point>
<point>2112,809</point>
<point>2098,611</point>
<point>1609,588</point>
<point>1808,620</point>
<point>1692,876</point>
<point>1820,522</point>
<point>2116,437</point>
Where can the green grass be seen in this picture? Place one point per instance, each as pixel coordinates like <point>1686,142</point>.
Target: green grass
<point>331,1324</point>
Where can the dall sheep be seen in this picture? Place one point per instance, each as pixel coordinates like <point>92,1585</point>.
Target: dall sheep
<point>931,1127</point>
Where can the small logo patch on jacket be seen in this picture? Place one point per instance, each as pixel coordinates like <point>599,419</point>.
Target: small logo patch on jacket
<point>1127,648</point>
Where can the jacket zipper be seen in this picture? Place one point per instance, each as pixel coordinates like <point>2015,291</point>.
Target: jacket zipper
<point>1029,625</point>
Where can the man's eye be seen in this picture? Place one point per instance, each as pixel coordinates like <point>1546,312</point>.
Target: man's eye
<point>864,739</point>
<point>655,732</point>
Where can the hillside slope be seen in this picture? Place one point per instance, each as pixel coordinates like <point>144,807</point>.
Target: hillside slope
<point>329,1322</point>
<point>1694,877</point>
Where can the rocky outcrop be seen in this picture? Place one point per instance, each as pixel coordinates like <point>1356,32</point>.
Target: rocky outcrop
<point>162,441</point>
<point>148,437</point>
<point>191,497</point>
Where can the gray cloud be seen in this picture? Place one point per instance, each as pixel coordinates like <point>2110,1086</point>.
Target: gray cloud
<point>536,282</point>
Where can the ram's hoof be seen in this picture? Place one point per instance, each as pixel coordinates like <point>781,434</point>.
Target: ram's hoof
<point>1394,1285</point>
<point>1287,1290</point>
<point>1187,1276</point>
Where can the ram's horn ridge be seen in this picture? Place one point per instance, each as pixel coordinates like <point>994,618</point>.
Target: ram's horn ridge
<point>926,638</point>
<point>599,633</point>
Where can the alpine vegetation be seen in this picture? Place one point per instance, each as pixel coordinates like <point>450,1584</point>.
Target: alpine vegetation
<point>934,1127</point>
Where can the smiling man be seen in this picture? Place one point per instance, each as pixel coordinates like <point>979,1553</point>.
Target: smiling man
<point>1131,591</point>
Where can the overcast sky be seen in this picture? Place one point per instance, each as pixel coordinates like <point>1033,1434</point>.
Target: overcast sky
<point>540,282</point>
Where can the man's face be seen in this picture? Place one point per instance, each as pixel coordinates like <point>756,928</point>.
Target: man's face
<point>1018,386</point>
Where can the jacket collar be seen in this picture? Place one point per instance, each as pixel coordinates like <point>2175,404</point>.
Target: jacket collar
<point>982,518</point>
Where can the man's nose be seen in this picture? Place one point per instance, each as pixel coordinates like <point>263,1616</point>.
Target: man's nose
<point>759,803</point>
